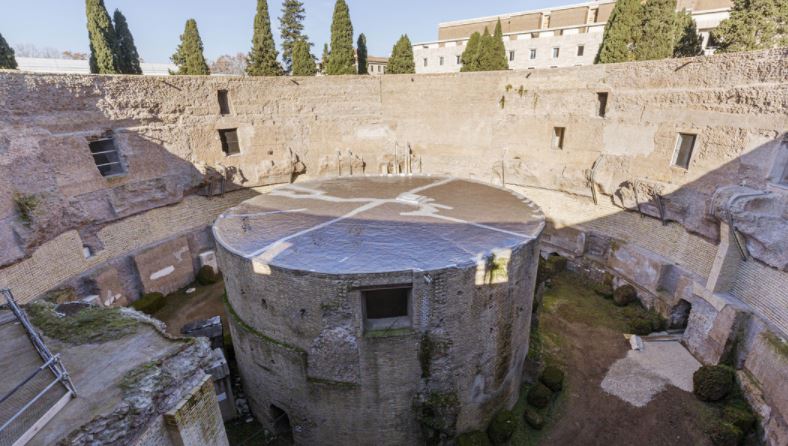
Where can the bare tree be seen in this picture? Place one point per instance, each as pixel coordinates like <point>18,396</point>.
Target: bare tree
<point>75,55</point>
<point>227,64</point>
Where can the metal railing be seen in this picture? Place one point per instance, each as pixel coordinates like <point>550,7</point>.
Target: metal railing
<point>31,403</point>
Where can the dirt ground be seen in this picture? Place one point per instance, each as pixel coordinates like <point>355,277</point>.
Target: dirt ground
<point>181,308</point>
<point>582,333</point>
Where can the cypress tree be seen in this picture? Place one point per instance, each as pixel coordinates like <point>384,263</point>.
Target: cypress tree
<point>486,58</point>
<point>469,58</point>
<point>401,60</point>
<point>621,29</point>
<point>291,29</point>
<point>189,57</point>
<point>658,26</point>
<point>688,41</point>
<point>324,59</point>
<point>102,38</point>
<point>499,59</point>
<point>341,60</point>
<point>262,58</point>
<point>303,62</point>
<point>753,25</point>
<point>361,54</point>
<point>126,56</point>
<point>7,59</point>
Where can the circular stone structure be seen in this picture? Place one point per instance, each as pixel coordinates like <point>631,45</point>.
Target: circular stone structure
<point>380,310</point>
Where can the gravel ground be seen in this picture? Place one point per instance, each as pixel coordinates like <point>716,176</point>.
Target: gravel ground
<point>639,376</point>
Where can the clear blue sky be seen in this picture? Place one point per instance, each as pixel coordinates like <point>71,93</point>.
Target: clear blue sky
<point>226,25</point>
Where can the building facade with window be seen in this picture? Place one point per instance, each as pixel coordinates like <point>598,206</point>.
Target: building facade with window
<point>562,36</point>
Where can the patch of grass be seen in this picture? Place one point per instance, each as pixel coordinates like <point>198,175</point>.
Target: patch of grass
<point>149,303</point>
<point>571,300</point>
<point>26,205</point>
<point>93,325</point>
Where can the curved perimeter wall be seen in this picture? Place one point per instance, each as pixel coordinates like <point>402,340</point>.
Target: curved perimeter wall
<point>675,233</point>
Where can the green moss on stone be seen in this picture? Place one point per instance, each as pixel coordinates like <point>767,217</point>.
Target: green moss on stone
<point>476,438</point>
<point>502,427</point>
<point>779,345</point>
<point>553,378</point>
<point>149,303</point>
<point>713,383</point>
<point>90,325</point>
<point>539,396</point>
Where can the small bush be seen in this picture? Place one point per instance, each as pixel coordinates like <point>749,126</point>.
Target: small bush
<point>476,438</point>
<point>725,434</point>
<point>502,427</point>
<point>149,303</point>
<point>207,276</point>
<point>26,205</point>
<point>712,383</point>
<point>539,396</point>
<point>553,378</point>
<point>533,419</point>
<point>741,418</point>
<point>605,287</point>
<point>640,326</point>
<point>624,295</point>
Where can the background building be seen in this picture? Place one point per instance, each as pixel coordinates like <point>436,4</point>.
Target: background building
<point>546,38</point>
<point>47,65</point>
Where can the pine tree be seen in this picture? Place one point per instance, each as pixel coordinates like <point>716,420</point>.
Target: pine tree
<point>303,61</point>
<point>500,62</point>
<point>291,29</point>
<point>102,38</point>
<point>341,60</point>
<point>621,29</point>
<point>7,59</point>
<point>361,54</point>
<point>401,60</point>
<point>658,25</point>
<point>470,56</point>
<point>688,42</point>
<point>189,57</point>
<point>126,56</point>
<point>324,59</point>
<point>262,57</point>
<point>486,57</point>
<point>753,25</point>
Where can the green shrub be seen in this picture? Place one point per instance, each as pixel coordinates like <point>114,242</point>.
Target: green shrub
<point>605,287</point>
<point>741,418</point>
<point>624,295</point>
<point>533,419</point>
<point>640,326</point>
<point>476,438</point>
<point>502,427</point>
<point>712,383</point>
<point>539,396</point>
<point>553,378</point>
<point>207,276</point>
<point>725,434</point>
<point>149,303</point>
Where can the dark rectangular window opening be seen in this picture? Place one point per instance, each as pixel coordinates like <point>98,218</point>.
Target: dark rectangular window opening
<point>558,137</point>
<point>511,56</point>
<point>229,139</point>
<point>581,49</point>
<point>685,143</point>
<point>386,308</point>
<point>105,155</point>
<point>224,102</point>
<point>441,61</point>
<point>532,54</point>
<point>601,99</point>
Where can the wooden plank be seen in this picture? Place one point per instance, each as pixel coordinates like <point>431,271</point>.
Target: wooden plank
<point>38,425</point>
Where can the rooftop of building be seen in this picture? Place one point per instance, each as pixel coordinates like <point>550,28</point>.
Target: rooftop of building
<point>378,224</point>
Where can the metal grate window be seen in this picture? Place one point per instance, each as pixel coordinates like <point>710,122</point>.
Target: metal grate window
<point>532,54</point>
<point>105,155</point>
<point>229,139</point>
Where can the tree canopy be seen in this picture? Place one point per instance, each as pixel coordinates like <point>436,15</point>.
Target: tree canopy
<point>401,60</point>
<point>469,58</point>
<point>621,30</point>
<point>753,25</point>
<point>7,59</point>
<point>126,57</point>
<point>688,42</point>
<point>303,61</point>
<point>291,29</point>
<point>657,30</point>
<point>102,38</point>
<point>341,60</point>
<point>361,54</point>
<point>262,60</point>
<point>189,55</point>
